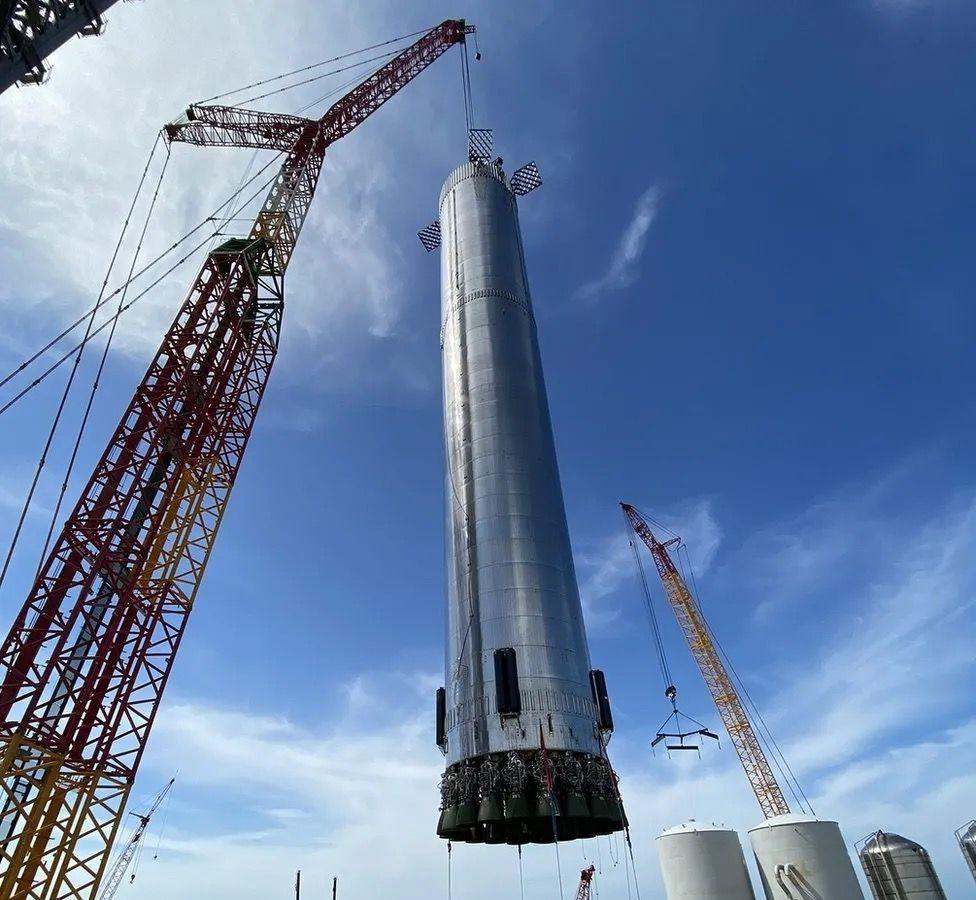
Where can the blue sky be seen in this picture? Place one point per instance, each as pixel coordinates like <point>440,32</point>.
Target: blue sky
<point>752,273</point>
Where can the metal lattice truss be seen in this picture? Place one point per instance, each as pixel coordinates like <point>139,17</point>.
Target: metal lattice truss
<point>430,235</point>
<point>89,655</point>
<point>525,179</point>
<point>717,680</point>
<point>481,142</point>
<point>31,30</point>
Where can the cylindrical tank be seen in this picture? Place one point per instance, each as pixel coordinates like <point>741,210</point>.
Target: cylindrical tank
<point>801,856</point>
<point>967,843</point>
<point>701,861</point>
<point>899,869</point>
<point>522,729</point>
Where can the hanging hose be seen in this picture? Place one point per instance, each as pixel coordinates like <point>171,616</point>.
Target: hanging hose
<point>448,870</point>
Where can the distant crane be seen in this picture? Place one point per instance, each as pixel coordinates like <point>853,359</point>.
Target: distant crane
<point>717,680</point>
<point>117,872</point>
<point>586,878</point>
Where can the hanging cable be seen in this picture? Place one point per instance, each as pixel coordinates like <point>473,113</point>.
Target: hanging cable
<point>633,865</point>
<point>521,874</point>
<point>69,382</point>
<point>467,80</point>
<point>765,734</point>
<point>151,264</point>
<point>448,870</point>
<point>101,367</point>
<point>289,87</point>
<point>162,826</point>
<point>559,868</point>
<point>630,895</point>
<point>132,302</point>
<point>309,68</point>
<point>662,655</point>
<point>464,96</point>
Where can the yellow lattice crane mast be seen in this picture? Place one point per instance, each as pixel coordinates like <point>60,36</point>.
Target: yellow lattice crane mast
<point>717,680</point>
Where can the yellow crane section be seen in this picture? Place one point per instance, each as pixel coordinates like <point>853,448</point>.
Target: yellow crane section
<point>717,680</point>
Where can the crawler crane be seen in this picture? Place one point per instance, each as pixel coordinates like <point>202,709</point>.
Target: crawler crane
<point>90,652</point>
<point>720,685</point>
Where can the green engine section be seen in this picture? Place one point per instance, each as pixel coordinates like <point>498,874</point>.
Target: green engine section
<point>505,798</point>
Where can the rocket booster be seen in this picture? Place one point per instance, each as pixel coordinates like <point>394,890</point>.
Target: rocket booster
<point>523,718</point>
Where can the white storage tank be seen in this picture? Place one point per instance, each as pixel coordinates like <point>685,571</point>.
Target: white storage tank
<point>967,843</point>
<point>701,861</point>
<point>899,869</point>
<point>802,856</point>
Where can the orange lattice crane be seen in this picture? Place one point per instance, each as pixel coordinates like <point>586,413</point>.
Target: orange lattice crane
<point>717,680</point>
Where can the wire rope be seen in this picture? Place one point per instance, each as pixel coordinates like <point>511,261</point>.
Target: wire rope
<point>652,616</point>
<point>765,733</point>
<point>633,864</point>
<point>464,96</point>
<point>42,459</point>
<point>101,368</point>
<point>521,874</point>
<point>449,894</point>
<point>289,87</point>
<point>559,868</point>
<point>137,275</point>
<point>308,68</point>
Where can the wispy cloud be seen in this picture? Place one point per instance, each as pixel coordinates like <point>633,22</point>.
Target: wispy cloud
<point>67,180</point>
<point>622,271</point>
<point>608,564</point>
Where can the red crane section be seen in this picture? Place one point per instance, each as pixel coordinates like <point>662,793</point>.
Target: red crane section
<point>88,656</point>
<point>586,879</point>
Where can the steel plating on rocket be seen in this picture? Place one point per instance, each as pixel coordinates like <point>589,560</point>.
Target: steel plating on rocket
<point>523,719</point>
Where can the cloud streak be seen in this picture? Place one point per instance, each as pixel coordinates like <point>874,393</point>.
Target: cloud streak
<point>607,565</point>
<point>622,270</point>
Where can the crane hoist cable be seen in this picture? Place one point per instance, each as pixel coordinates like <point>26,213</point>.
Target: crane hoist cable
<point>213,217</point>
<point>682,733</point>
<point>651,613</point>
<point>72,373</point>
<point>145,269</point>
<point>748,741</point>
<point>83,424</point>
<point>82,653</point>
<point>308,68</point>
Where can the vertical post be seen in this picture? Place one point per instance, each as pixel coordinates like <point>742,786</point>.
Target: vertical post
<point>335,883</point>
<point>298,885</point>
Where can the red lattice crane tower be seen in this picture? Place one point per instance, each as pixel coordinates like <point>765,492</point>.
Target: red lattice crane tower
<point>89,654</point>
